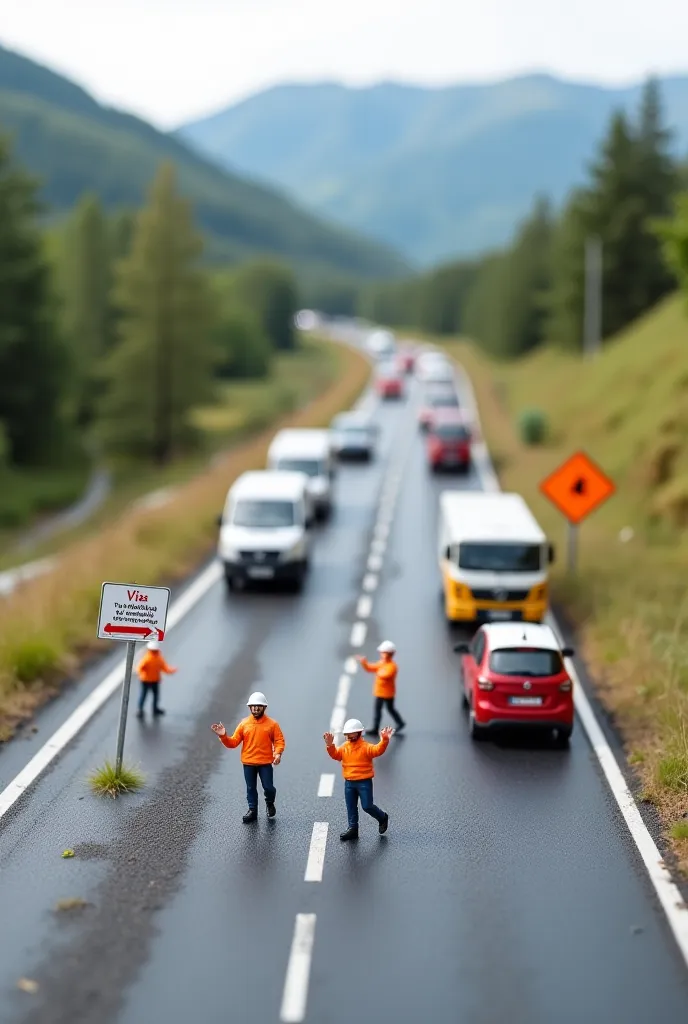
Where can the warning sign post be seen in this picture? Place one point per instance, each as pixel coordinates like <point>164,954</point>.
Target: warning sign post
<point>577,488</point>
<point>131,613</point>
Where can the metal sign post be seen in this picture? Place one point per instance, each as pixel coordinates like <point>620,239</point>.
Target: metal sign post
<point>124,707</point>
<point>129,612</point>
<point>571,546</point>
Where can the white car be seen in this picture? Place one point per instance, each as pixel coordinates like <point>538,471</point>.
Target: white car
<point>434,368</point>
<point>381,344</point>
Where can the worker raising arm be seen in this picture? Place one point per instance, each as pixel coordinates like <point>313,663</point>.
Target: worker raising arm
<point>385,687</point>
<point>357,768</point>
<point>262,743</point>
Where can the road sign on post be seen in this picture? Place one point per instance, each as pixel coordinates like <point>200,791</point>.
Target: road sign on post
<point>131,613</point>
<point>577,488</point>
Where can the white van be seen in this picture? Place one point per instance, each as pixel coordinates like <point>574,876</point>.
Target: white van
<point>493,557</point>
<point>309,452</point>
<point>264,529</point>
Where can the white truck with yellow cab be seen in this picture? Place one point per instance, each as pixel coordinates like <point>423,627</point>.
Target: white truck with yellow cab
<point>494,558</point>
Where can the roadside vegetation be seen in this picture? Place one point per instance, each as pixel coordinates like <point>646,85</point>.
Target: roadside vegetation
<point>628,409</point>
<point>107,781</point>
<point>47,627</point>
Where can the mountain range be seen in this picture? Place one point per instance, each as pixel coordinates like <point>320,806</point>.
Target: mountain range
<point>74,145</point>
<point>433,172</point>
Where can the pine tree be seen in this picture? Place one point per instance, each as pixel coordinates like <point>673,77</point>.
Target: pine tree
<point>526,283</point>
<point>270,289</point>
<point>33,360</point>
<point>161,365</point>
<point>85,274</point>
<point>673,233</point>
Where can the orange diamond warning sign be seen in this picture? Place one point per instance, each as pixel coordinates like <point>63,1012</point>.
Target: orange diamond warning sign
<point>577,487</point>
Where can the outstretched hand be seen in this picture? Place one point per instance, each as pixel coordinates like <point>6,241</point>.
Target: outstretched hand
<point>219,729</point>
<point>387,732</point>
<point>277,758</point>
<point>329,738</point>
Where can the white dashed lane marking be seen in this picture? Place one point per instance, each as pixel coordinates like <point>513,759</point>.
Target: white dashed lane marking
<point>295,996</point>
<point>358,634</point>
<point>316,853</point>
<point>326,787</point>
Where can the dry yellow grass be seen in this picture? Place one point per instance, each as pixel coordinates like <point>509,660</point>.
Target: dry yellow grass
<point>629,602</point>
<point>48,625</point>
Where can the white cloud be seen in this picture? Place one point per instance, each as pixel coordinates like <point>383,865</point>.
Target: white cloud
<point>170,60</point>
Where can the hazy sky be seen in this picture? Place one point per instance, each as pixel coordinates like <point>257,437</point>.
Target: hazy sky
<point>171,60</point>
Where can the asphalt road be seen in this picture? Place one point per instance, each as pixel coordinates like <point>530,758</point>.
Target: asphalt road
<point>507,887</point>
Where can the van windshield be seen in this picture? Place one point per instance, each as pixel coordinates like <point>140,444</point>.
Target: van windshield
<point>500,557</point>
<point>264,514</point>
<point>526,662</point>
<point>311,467</point>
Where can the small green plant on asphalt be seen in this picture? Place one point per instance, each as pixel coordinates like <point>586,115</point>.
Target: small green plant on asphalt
<point>532,426</point>
<point>107,781</point>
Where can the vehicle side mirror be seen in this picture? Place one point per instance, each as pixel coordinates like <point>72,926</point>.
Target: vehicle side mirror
<point>567,652</point>
<point>461,648</point>
<point>219,519</point>
<point>551,553</point>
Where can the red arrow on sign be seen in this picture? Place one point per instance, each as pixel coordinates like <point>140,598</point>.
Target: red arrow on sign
<point>143,631</point>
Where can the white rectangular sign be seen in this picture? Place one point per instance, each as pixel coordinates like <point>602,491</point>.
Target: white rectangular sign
<point>132,612</point>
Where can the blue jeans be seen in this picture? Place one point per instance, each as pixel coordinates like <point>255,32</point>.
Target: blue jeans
<point>251,774</point>
<point>362,788</point>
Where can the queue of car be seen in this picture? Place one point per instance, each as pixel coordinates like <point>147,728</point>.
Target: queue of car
<point>493,556</point>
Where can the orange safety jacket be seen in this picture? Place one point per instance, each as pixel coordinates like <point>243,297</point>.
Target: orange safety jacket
<point>262,740</point>
<point>385,677</point>
<point>151,666</point>
<point>357,758</point>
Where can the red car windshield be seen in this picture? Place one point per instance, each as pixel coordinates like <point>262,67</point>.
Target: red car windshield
<point>451,432</point>
<point>529,663</point>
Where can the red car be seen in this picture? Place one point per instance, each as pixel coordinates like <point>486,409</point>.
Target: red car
<point>436,397</point>
<point>514,674</point>
<point>389,382</point>
<point>448,441</point>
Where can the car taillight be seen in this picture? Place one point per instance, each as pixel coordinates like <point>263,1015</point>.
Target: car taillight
<point>565,687</point>
<point>485,684</point>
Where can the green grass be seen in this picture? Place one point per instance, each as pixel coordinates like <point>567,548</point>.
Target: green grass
<point>106,781</point>
<point>241,409</point>
<point>679,830</point>
<point>628,409</point>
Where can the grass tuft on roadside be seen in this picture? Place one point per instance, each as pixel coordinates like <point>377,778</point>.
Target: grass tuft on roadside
<point>107,781</point>
<point>627,409</point>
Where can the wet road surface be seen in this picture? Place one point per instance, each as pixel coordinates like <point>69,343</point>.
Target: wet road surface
<point>507,887</point>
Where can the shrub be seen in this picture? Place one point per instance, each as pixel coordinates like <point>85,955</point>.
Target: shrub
<point>532,426</point>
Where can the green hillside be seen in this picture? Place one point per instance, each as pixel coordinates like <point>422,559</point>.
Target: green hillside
<point>75,145</point>
<point>435,172</point>
<point>627,409</point>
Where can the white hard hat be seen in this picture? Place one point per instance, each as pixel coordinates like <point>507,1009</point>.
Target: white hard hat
<point>353,725</point>
<point>387,647</point>
<point>257,698</point>
<point>153,645</point>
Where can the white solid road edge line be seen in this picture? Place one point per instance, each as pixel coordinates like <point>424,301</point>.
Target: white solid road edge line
<point>316,852</point>
<point>95,700</point>
<point>667,891</point>
<point>326,786</point>
<point>295,994</point>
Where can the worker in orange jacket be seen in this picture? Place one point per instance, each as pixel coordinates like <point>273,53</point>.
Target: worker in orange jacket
<point>262,743</point>
<point>150,669</point>
<point>385,687</point>
<point>357,768</point>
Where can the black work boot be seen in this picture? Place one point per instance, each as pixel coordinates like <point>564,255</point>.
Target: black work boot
<point>400,727</point>
<point>383,824</point>
<point>158,711</point>
<point>351,833</point>
<point>272,810</point>
<point>251,815</point>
